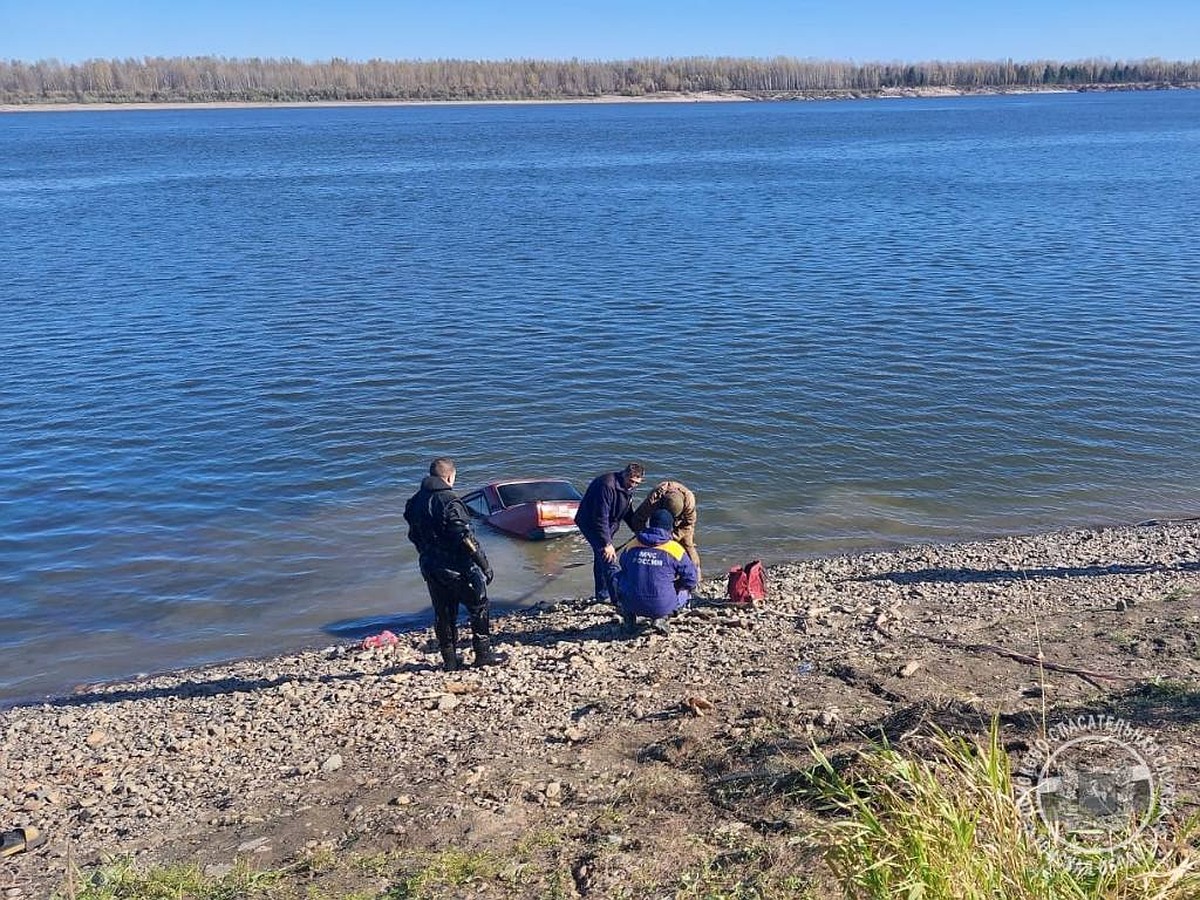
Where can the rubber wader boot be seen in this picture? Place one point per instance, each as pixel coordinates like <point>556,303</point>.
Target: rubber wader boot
<point>451,661</point>
<point>484,656</point>
<point>628,623</point>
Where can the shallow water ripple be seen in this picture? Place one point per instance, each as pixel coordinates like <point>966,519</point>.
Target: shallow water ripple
<point>231,340</point>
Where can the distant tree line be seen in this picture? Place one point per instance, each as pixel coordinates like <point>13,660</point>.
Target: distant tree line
<point>209,78</point>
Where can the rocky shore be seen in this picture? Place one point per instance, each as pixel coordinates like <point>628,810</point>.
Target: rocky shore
<point>594,764</point>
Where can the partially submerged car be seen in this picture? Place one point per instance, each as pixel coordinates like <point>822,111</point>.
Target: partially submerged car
<point>531,508</point>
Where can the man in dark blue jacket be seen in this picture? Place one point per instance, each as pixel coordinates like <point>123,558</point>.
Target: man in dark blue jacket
<point>453,564</point>
<point>656,575</point>
<point>605,505</point>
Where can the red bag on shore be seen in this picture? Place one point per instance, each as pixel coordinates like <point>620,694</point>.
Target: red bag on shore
<point>746,584</point>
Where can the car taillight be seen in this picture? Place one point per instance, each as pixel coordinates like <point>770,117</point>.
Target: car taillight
<point>550,513</point>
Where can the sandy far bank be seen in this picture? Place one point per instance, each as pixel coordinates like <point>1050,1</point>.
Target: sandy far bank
<point>706,97</point>
<point>661,97</point>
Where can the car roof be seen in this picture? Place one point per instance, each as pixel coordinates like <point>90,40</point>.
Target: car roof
<point>503,481</point>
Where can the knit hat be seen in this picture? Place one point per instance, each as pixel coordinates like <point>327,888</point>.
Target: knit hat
<point>662,520</point>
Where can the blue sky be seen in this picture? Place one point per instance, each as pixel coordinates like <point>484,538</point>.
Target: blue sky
<point>855,30</point>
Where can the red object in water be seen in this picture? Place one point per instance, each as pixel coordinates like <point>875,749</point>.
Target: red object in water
<point>531,508</point>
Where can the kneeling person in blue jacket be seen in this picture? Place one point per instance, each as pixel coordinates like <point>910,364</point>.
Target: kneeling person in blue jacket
<point>656,576</point>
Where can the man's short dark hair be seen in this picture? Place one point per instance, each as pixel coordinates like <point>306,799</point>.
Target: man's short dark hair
<point>442,466</point>
<point>635,470</point>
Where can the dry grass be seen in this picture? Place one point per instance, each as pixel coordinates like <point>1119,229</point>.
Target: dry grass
<point>945,825</point>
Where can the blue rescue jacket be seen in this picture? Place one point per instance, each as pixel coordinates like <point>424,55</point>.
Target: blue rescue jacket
<point>654,570</point>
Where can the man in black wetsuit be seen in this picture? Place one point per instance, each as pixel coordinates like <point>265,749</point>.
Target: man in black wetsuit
<point>453,564</point>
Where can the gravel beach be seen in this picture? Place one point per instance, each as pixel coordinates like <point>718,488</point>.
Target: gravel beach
<point>612,749</point>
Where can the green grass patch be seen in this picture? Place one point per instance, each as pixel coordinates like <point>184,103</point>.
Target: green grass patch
<point>754,871</point>
<point>946,825</point>
<point>434,873</point>
<point>352,877</point>
<point>120,879</point>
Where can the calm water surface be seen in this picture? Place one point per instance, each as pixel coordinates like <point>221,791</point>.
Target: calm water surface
<point>230,341</point>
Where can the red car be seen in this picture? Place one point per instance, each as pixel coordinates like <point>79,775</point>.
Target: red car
<point>532,508</point>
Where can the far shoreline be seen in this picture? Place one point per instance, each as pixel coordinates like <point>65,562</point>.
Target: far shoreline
<point>660,97</point>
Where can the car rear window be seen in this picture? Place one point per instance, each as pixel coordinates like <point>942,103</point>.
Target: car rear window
<point>526,492</point>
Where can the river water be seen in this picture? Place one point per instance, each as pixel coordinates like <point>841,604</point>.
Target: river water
<point>231,340</point>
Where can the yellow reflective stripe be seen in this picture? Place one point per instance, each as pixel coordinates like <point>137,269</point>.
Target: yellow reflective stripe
<point>674,548</point>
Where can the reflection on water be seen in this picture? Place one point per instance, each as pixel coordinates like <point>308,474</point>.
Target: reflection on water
<point>231,342</point>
